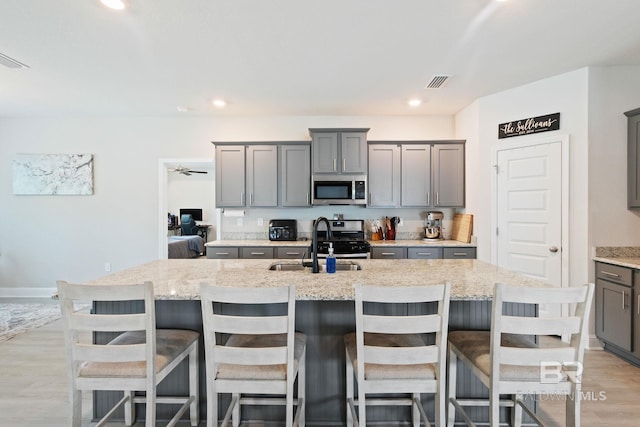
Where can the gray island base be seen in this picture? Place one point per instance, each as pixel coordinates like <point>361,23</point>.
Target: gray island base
<point>325,312</point>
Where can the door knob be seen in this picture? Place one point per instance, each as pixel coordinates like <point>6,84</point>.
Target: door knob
<point>553,249</point>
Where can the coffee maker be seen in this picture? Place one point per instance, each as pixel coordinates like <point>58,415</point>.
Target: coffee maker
<point>433,225</point>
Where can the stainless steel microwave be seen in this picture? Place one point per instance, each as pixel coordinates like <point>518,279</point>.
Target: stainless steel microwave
<point>339,190</point>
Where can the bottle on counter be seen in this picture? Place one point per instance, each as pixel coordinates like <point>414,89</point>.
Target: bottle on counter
<point>331,260</point>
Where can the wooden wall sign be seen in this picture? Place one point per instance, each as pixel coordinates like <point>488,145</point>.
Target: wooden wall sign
<point>529,126</point>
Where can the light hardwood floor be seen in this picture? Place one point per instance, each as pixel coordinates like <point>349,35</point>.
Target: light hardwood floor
<point>33,389</point>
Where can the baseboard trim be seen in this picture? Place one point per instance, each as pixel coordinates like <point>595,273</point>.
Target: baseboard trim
<point>594,343</point>
<point>27,292</point>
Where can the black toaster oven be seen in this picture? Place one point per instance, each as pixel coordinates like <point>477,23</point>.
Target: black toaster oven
<point>283,229</point>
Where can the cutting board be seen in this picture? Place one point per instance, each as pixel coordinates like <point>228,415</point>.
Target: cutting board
<point>462,228</point>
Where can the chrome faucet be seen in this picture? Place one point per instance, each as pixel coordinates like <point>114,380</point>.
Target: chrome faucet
<point>315,268</point>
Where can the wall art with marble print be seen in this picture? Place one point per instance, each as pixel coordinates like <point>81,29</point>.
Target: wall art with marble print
<point>53,174</point>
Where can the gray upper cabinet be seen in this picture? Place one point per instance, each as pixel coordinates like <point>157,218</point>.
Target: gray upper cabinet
<point>633,158</point>
<point>295,178</point>
<point>339,150</point>
<point>230,176</point>
<point>384,175</point>
<point>416,175</point>
<point>431,174</point>
<point>262,175</point>
<point>447,164</point>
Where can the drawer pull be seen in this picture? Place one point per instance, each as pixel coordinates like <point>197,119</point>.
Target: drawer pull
<point>222,253</point>
<point>607,273</point>
<point>459,253</point>
<point>257,253</point>
<point>388,253</point>
<point>292,253</point>
<point>424,253</point>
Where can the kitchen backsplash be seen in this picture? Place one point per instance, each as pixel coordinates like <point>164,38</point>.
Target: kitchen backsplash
<point>618,251</point>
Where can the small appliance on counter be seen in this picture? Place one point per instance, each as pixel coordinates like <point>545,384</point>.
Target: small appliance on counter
<point>433,225</point>
<point>283,229</point>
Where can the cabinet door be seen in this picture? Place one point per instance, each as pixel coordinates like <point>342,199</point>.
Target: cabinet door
<point>230,176</point>
<point>262,175</point>
<point>224,252</point>
<point>292,252</point>
<point>633,159</point>
<point>416,175</point>
<point>388,253</point>
<point>447,164</point>
<point>353,152</point>
<point>295,179</point>
<point>258,252</point>
<point>424,253</point>
<point>613,313</point>
<point>459,253</point>
<point>325,152</point>
<point>384,176</point>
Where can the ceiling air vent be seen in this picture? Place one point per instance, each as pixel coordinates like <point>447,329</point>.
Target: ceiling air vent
<point>10,62</point>
<point>436,82</point>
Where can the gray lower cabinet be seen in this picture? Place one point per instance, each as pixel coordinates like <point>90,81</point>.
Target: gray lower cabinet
<point>389,253</point>
<point>635,306</point>
<point>222,252</point>
<point>614,306</point>
<point>424,253</point>
<point>258,252</point>
<point>459,253</point>
<point>292,252</point>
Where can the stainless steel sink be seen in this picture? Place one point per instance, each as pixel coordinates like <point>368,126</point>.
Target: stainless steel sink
<point>340,266</point>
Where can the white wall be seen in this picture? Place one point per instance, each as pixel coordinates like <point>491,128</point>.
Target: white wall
<point>46,238</point>
<point>612,91</point>
<point>566,94</point>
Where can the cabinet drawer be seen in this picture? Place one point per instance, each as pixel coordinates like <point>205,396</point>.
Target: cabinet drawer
<point>388,253</point>
<point>221,253</point>
<point>297,252</point>
<point>614,273</point>
<point>459,253</point>
<point>424,253</point>
<point>256,252</point>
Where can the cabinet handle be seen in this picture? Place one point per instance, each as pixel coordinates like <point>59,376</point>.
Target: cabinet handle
<point>344,165</point>
<point>251,199</point>
<point>387,253</point>
<point>292,253</point>
<point>638,304</point>
<point>335,161</point>
<point>428,198</point>
<point>424,253</point>
<point>459,253</point>
<point>222,253</point>
<point>307,198</point>
<point>437,198</point>
<point>606,273</point>
<point>624,301</point>
<point>257,253</point>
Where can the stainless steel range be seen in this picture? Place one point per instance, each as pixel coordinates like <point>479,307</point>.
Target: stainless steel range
<point>347,238</point>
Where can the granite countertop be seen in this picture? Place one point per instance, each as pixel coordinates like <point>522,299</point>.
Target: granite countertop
<point>624,256</point>
<point>179,279</point>
<point>410,243</point>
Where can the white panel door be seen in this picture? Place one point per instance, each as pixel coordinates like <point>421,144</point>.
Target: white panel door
<point>529,211</point>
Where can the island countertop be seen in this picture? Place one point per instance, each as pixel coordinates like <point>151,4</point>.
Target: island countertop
<point>180,279</point>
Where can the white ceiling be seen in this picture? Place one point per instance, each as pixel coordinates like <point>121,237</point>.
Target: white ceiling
<point>297,57</point>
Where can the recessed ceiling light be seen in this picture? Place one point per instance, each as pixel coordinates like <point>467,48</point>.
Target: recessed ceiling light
<point>220,103</point>
<point>415,102</point>
<point>113,4</point>
<point>182,109</point>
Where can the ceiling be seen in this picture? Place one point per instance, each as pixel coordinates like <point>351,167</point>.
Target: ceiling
<point>296,57</point>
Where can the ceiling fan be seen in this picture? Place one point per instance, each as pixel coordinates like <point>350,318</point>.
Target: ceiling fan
<point>185,170</point>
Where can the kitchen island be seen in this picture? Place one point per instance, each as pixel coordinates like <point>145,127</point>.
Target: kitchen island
<point>324,311</point>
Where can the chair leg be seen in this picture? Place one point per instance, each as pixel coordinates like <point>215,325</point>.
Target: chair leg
<point>440,405</point>
<point>415,413</point>
<point>150,419</point>
<point>516,412</point>
<point>289,403</point>
<point>129,409</point>
<point>494,407</point>
<point>572,407</point>
<point>362,407</point>
<point>349,387</point>
<point>194,386</point>
<point>76,407</point>
<point>235,413</point>
<point>301,389</point>
<point>451,392</point>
